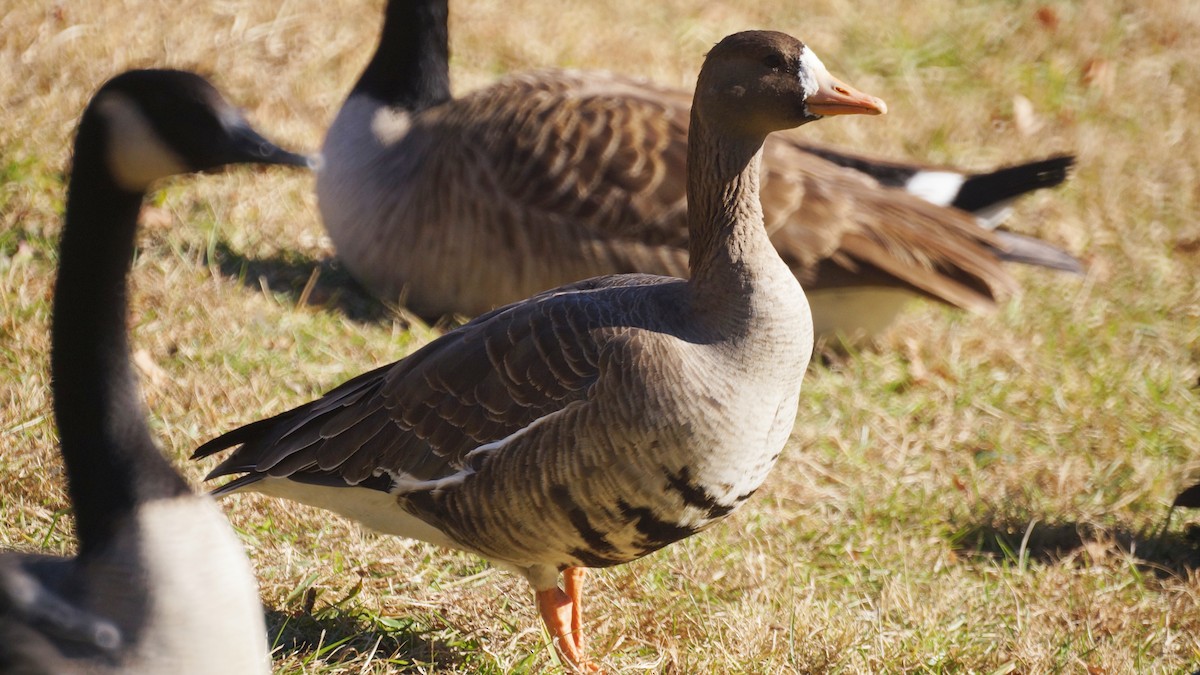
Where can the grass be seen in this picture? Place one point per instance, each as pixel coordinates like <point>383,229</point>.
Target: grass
<point>971,494</point>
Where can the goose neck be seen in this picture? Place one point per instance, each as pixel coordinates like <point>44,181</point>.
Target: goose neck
<point>111,460</point>
<point>725,217</point>
<point>411,66</point>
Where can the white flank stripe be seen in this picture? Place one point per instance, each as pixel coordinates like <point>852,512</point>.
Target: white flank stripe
<point>404,483</point>
<point>938,187</point>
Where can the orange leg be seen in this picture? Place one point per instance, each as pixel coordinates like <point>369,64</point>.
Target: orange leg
<point>573,581</point>
<point>564,619</point>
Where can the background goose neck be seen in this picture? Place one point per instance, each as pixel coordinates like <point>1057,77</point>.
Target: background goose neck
<point>411,65</point>
<point>111,460</point>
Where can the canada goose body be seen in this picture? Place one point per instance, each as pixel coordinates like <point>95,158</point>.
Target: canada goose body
<point>161,584</point>
<point>462,205</point>
<point>594,423</point>
<point>169,591</point>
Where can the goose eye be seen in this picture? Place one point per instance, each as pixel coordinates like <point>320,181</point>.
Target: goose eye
<point>774,62</point>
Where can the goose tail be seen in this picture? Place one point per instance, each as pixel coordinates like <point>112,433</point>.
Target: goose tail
<point>983,191</point>
<point>1027,250</point>
<point>987,195</point>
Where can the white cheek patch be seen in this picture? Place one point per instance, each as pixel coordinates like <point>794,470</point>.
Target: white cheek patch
<point>137,156</point>
<point>390,125</point>
<point>812,71</point>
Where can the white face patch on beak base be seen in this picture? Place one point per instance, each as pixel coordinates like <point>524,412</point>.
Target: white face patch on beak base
<point>811,71</point>
<point>825,94</point>
<point>137,156</point>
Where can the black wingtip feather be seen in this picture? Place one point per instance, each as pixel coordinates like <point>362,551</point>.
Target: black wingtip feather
<point>237,484</point>
<point>985,189</point>
<point>232,464</point>
<point>231,438</point>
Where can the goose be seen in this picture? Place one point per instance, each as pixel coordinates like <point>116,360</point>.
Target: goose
<point>594,423</point>
<point>161,583</point>
<point>547,177</point>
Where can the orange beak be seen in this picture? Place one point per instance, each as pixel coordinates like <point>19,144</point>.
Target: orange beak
<point>834,97</point>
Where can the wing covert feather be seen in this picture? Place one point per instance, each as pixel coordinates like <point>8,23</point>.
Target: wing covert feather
<point>421,416</point>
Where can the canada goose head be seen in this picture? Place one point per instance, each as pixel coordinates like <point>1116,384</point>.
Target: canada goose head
<point>160,123</point>
<point>764,81</point>
<point>140,126</point>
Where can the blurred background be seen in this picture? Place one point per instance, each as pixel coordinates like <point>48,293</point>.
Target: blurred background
<point>968,493</point>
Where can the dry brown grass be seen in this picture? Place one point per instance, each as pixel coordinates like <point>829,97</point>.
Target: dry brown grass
<point>977,494</point>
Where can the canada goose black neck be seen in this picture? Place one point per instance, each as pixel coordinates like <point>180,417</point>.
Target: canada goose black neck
<point>411,67</point>
<point>157,562</point>
<point>141,126</point>
<point>111,460</point>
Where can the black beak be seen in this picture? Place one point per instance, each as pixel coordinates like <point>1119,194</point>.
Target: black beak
<point>250,146</point>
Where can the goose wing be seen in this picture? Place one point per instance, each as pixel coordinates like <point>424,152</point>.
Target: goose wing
<point>604,156</point>
<point>416,420</point>
<point>39,622</point>
<point>978,193</point>
<point>837,227</point>
<point>598,152</point>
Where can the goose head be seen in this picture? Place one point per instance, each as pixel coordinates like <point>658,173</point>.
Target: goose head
<point>160,123</point>
<point>764,81</point>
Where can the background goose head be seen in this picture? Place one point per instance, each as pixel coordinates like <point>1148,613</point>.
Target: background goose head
<point>159,123</point>
<point>784,79</point>
<point>161,583</point>
<point>140,126</point>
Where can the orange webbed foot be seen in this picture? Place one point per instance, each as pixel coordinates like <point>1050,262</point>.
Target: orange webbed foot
<point>563,615</point>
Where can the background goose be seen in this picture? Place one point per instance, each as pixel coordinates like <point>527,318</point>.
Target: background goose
<point>161,584</point>
<point>597,422</point>
<point>553,176</point>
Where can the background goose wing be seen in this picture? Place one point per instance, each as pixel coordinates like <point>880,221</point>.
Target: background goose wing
<point>838,227</point>
<point>979,193</point>
<point>601,155</point>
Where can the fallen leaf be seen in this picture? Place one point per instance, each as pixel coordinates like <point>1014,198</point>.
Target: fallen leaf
<point>151,370</point>
<point>1047,17</point>
<point>1024,118</point>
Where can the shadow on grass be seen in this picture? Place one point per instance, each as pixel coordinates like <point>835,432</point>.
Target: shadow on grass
<point>320,283</point>
<point>347,639</point>
<point>1162,551</point>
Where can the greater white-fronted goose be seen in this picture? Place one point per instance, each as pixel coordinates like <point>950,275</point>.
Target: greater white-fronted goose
<point>161,583</point>
<point>458,206</point>
<point>597,422</point>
